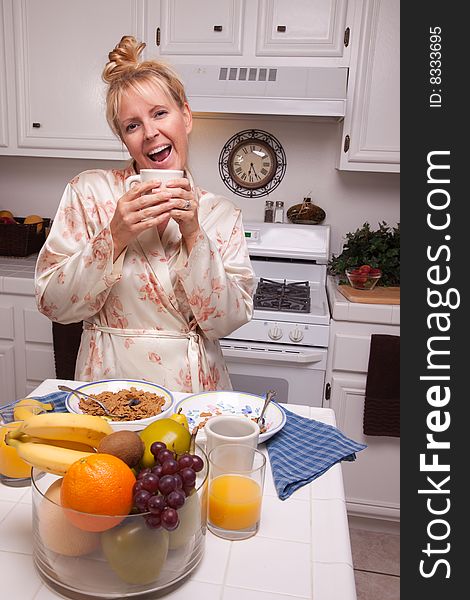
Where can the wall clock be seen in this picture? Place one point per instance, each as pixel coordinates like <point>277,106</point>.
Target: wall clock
<point>252,163</point>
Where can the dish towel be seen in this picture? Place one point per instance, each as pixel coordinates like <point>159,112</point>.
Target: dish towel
<point>58,398</point>
<point>382,402</point>
<point>303,450</point>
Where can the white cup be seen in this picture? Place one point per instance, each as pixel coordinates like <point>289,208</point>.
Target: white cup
<point>162,175</point>
<point>231,429</point>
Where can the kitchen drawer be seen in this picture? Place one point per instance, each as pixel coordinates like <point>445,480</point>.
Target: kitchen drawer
<point>349,344</point>
<point>351,352</point>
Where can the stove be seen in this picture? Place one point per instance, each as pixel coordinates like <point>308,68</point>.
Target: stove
<point>274,295</point>
<point>284,346</point>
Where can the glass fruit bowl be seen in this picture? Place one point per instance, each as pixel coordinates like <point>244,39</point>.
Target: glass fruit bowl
<point>364,277</point>
<point>125,558</point>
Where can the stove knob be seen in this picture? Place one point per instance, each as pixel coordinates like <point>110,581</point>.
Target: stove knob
<point>275,333</point>
<point>296,335</point>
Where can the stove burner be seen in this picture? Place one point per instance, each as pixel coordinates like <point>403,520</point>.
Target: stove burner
<point>290,297</point>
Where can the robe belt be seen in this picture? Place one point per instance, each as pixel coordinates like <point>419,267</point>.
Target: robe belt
<point>196,352</point>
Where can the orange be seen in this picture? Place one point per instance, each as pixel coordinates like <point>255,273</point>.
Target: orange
<point>99,484</point>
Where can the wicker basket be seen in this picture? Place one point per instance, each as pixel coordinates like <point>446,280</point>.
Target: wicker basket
<point>20,239</point>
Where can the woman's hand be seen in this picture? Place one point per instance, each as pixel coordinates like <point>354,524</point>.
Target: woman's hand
<point>149,205</point>
<point>185,213</point>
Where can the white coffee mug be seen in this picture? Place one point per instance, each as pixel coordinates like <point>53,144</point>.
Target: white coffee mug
<point>162,175</point>
<point>231,429</point>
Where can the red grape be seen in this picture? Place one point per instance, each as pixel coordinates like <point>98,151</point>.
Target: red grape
<point>170,519</point>
<point>150,482</point>
<point>169,467</point>
<point>164,455</point>
<point>167,484</point>
<point>188,476</point>
<point>198,463</point>
<point>144,472</point>
<point>157,447</point>
<point>176,499</point>
<point>141,499</point>
<point>185,461</point>
<point>156,504</point>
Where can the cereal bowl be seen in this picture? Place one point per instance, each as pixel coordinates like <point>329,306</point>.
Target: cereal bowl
<point>118,392</point>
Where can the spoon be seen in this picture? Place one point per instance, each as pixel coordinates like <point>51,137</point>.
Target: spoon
<point>65,388</point>
<point>269,396</point>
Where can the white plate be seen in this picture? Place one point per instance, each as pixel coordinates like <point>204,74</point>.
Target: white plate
<point>230,403</point>
<point>114,385</point>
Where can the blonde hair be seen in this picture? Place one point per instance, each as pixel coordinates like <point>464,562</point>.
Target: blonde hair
<point>125,71</point>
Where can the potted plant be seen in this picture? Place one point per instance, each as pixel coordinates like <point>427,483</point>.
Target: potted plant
<point>378,248</point>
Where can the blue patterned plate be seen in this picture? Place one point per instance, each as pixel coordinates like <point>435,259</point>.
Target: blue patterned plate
<point>198,408</point>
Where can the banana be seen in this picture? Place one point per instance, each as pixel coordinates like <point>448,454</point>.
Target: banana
<point>26,407</point>
<point>85,429</point>
<point>52,459</point>
<point>61,444</point>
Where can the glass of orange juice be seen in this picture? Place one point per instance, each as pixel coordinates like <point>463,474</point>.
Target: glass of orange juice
<point>13,470</point>
<point>236,480</point>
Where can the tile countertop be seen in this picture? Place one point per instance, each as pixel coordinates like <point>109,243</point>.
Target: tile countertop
<point>343,309</point>
<point>17,274</point>
<point>302,549</point>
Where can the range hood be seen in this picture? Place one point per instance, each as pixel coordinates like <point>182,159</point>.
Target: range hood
<point>307,91</point>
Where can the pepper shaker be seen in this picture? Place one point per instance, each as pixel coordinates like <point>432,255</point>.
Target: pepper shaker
<point>279,212</point>
<point>269,212</point>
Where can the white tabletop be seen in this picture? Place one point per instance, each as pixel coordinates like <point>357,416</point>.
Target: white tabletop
<point>302,549</point>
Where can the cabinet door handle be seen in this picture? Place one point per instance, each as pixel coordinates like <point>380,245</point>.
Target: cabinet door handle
<point>281,28</point>
<point>157,36</point>
<point>36,125</point>
<point>218,27</point>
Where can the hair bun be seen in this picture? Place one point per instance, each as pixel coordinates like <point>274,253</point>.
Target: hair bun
<point>124,57</point>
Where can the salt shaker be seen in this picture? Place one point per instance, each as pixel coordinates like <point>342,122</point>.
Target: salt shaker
<point>269,212</point>
<point>279,212</point>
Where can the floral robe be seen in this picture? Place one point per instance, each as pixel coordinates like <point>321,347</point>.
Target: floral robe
<point>155,313</point>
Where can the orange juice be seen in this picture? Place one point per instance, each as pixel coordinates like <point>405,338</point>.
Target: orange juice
<point>11,465</point>
<point>234,502</point>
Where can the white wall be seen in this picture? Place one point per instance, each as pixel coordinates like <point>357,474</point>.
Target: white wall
<point>31,185</point>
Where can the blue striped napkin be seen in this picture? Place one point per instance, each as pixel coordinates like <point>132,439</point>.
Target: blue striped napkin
<point>303,450</point>
<point>58,398</point>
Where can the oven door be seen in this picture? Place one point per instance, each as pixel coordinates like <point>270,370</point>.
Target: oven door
<point>296,373</point>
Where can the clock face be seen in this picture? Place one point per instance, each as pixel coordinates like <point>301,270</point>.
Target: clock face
<point>252,163</point>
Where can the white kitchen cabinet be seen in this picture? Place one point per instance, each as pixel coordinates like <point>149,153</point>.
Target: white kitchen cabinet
<point>60,49</point>
<point>371,131</point>
<point>26,349</point>
<point>205,27</point>
<point>3,87</point>
<point>302,28</point>
<point>372,481</point>
<point>262,32</point>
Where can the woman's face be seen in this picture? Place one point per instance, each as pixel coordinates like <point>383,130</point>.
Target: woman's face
<point>154,129</point>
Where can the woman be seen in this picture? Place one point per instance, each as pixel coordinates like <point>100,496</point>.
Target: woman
<point>157,274</point>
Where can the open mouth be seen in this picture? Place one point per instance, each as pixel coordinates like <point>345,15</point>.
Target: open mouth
<point>160,154</point>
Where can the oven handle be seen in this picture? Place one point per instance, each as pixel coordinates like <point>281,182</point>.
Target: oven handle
<point>272,355</point>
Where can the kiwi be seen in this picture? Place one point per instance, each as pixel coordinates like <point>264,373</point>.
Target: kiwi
<point>126,445</point>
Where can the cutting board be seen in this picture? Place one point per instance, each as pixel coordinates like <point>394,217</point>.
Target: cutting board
<point>379,295</point>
